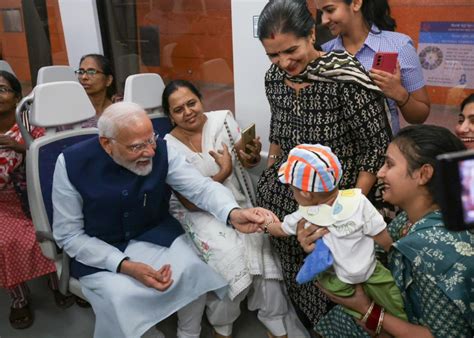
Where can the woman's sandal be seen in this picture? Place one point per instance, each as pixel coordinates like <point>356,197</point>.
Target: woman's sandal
<point>21,318</point>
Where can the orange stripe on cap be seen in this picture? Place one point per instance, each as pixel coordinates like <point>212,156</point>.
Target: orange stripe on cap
<point>305,179</point>
<point>291,160</point>
<point>328,155</point>
<point>306,173</point>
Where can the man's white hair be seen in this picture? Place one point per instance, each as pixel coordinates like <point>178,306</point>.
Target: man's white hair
<point>118,115</point>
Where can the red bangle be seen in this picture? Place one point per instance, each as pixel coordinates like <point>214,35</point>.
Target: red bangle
<point>373,319</point>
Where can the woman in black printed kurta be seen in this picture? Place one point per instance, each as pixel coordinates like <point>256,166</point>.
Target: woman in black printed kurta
<point>315,98</point>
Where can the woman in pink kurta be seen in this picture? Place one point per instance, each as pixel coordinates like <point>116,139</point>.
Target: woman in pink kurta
<point>20,255</point>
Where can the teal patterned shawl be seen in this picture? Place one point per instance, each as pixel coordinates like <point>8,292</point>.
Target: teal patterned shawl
<point>446,258</point>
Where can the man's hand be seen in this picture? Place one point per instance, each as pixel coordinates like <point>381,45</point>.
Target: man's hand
<point>157,279</point>
<point>251,220</point>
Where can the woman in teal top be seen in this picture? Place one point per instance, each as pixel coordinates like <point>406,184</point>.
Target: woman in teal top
<point>432,263</point>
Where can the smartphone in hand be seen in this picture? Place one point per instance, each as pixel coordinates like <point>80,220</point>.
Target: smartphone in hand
<point>385,61</point>
<point>248,135</point>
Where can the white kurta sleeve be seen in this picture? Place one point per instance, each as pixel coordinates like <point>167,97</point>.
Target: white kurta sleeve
<point>374,222</point>
<point>290,222</point>
<point>68,225</point>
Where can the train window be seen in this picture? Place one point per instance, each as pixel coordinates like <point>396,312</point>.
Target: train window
<point>12,20</point>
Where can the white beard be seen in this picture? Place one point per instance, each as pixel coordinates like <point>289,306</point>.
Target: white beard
<point>133,166</point>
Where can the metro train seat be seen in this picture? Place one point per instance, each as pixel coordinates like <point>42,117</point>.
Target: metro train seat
<point>56,73</point>
<point>50,105</point>
<point>4,65</point>
<point>146,89</point>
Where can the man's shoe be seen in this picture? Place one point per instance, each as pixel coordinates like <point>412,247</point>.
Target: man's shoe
<point>82,303</point>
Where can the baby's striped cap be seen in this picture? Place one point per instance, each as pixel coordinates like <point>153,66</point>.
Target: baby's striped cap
<point>311,167</point>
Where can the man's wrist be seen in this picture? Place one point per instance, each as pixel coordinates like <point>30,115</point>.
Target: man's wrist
<point>119,266</point>
<point>228,217</point>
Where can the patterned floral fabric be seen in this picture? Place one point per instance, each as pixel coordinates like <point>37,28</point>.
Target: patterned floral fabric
<point>434,275</point>
<point>20,256</point>
<point>445,258</point>
<point>345,116</point>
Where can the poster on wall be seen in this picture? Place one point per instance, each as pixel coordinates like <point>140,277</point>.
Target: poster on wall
<point>446,51</point>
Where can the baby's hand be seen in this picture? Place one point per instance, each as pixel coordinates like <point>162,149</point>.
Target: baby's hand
<point>274,228</point>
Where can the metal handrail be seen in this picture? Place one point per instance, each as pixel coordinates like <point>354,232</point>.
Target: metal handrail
<point>24,105</point>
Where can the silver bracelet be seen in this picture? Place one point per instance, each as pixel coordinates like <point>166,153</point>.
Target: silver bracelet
<point>274,157</point>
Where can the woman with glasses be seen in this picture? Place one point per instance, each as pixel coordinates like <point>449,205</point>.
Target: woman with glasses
<point>210,141</point>
<point>20,255</point>
<point>96,76</point>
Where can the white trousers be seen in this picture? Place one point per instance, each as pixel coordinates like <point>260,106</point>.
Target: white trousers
<point>190,317</point>
<point>126,308</point>
<point>263,295</point>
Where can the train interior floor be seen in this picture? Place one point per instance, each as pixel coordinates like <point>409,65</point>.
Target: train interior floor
<point>76,322</point>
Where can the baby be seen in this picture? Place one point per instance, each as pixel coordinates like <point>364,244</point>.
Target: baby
<point>346,255</point>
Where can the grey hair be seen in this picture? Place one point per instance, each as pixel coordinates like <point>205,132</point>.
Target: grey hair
<point>118,115</point>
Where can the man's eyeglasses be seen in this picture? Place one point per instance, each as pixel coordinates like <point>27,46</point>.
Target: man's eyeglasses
<point>90,72</point>
<point>139,147</point>
<point>4,90</point>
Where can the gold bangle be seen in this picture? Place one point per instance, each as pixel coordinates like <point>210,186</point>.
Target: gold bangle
<point>405,102</point>
<point>369,311</point>
<point>380,323</point>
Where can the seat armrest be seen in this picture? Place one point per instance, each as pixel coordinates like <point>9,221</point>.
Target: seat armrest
<point>43,236</point>
<point>64,278</point>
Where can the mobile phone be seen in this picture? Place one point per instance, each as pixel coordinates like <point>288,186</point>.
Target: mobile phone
<point>248,135</point>
<point>385,61</point>
<point>455,188</point>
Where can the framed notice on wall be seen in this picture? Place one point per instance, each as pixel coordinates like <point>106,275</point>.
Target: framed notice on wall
<point>446,51</point>
<point>12,21</point>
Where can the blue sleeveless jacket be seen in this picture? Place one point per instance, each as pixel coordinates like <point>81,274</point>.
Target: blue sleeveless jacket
<point>119,205</point>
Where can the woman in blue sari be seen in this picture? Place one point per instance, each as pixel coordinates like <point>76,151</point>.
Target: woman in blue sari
<point>432,263</point>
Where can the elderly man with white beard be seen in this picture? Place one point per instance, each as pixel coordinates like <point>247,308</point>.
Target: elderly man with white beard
<point>110,199</point>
